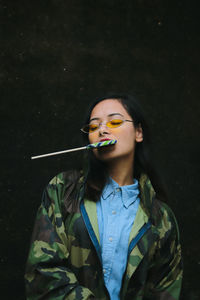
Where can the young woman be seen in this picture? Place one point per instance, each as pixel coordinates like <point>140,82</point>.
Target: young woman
<point>105,233</point>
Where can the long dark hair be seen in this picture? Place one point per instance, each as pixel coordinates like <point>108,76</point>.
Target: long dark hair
<point>143,161</point>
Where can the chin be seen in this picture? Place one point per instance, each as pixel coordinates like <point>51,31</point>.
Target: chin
<point>112,155</point>
<point>109,156</point>
<point>105,154</point>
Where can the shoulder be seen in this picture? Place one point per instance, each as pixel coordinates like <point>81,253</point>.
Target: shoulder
<point>165,211</point>
<point>165,220</point>
<point>63,186</point>
<point>159,212</point>
<point>65,178</point>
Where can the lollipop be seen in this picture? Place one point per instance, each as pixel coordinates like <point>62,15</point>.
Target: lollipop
<point>90,146</point>
<point>101,144</point>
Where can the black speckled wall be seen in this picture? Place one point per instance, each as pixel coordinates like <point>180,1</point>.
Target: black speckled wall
<point>55,56</point>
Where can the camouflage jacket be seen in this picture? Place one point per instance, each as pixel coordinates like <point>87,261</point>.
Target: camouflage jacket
<point>64,261</point>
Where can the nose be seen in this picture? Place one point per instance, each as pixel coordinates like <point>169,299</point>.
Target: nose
<point>103,129</point>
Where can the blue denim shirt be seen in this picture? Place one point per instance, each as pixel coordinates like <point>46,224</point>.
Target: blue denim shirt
<point>116,213</point>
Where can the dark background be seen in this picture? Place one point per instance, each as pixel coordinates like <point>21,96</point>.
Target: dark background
<point>55,56</point>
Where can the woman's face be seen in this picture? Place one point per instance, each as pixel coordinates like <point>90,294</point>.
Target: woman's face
<point>126,135</point>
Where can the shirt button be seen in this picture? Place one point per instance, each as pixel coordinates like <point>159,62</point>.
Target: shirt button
<point>113,212</point>
<point>104,271</point>
<point>110,239</point>
<point>118,189</point>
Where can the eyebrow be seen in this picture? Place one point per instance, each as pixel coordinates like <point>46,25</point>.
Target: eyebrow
<point>110,115</point>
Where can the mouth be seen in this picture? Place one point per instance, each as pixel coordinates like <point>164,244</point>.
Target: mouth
<point>103,140</point>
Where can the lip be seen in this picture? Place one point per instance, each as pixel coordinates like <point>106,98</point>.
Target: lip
<point>103,140</point>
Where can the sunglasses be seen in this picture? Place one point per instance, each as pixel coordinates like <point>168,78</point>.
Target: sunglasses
<point>114,123</point>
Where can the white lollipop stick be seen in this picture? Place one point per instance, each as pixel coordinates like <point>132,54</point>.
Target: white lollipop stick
<point>90,146</point>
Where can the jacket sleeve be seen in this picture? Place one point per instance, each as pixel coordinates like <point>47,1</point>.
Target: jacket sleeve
<point>47,273</point>
<point>166,272</point>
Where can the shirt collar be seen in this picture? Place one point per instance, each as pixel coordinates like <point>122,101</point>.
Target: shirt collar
<point>109,188</point>
<point>129,192</point>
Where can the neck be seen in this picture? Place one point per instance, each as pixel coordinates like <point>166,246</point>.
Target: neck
<point>121,171</point>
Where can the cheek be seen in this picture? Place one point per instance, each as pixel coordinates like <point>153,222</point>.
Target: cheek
<point>93,137</point>
<point>126,134</point>
<point>127,139</point>
<point>117,130</point>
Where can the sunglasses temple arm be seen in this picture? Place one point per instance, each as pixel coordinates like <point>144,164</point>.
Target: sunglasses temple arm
<point>59,152</point>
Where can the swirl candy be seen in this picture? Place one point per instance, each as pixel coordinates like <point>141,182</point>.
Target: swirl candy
<point>90,146</point>
<point>101,144</point>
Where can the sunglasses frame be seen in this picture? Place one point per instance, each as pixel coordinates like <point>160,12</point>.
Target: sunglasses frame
<point>103,123</point>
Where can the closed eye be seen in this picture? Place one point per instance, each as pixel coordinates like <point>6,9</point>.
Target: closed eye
<point>115,122</point>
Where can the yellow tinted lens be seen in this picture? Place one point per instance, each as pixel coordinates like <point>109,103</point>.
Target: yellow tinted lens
<point>93,127</point>
<point>115,123</point>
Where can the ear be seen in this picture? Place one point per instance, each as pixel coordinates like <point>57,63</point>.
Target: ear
<point>138,134</point>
